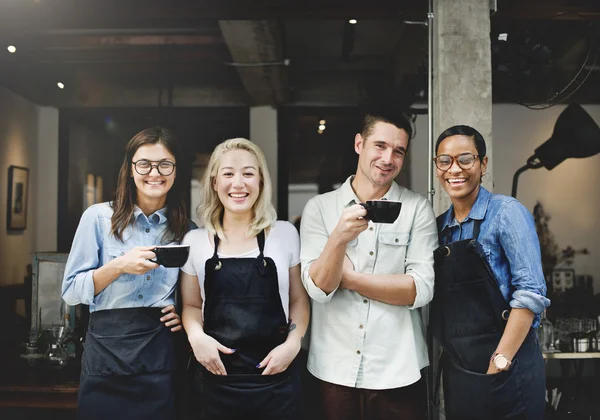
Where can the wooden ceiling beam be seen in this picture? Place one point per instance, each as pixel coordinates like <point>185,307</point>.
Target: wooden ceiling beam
<point>256,48</point>
<point>128,41</point>
<point>61,13</point>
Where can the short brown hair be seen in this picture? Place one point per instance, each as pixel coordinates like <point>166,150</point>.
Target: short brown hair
<point>372,118</point>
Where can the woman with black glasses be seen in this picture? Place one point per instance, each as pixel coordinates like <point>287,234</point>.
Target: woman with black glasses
<point>128,363</point>
<point>489,291</point>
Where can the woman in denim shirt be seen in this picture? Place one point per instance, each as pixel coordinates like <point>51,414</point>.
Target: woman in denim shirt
<point>128,361</point>
<point>489,291</point>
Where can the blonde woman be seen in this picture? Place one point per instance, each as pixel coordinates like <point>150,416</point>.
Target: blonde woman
<point>244,307</point>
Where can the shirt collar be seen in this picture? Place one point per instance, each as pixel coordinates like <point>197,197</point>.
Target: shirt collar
<point>349,196</point>
<point>161,214</point>
<point>477,211</point>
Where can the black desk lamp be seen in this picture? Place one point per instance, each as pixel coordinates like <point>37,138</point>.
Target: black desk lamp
<point>575,135</point>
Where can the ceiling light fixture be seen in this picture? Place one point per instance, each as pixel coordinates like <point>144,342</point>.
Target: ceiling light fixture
<point>322,127</point>
<point>503,37</point>
<point>353,21</point>
<point>322,122</point>
<point>60,85</point>
<point>11,49</point>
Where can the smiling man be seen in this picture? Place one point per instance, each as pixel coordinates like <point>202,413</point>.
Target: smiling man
<point>367,281</point>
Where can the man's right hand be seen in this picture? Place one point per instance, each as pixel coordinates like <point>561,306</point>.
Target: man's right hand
<point>136,261</point>
<point>206,350</point>
<point>351,223</point>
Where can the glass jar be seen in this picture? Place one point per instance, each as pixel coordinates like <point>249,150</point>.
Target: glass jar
<point>56,356</point>
<point>546,334</point>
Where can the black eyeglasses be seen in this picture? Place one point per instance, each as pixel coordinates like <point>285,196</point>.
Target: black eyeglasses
<point>145,166</point>
<point>465,161</point>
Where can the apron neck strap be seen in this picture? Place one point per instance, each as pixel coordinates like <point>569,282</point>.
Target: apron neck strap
<point>215,256</point>
<point>260,238</point>
<point>447,234</point>
<point>261,242</point>
<point>476,228</point>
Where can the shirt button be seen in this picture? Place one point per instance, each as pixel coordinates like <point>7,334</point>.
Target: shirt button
<point>147,277</point>
<point>371,228</point>
<point>396,240</point>
<point>361,326</point>
<point>357,351</point>
<point>147,230</point>
<point>122,253</point>
<point>140,296</point>
<point>365,301</point>
<point>371,253</point>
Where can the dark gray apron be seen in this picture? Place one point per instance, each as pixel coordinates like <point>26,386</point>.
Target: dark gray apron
<point>127,366</point>
<point>243,311</point>
<point>468,316</point>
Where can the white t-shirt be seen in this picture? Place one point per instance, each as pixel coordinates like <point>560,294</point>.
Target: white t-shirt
<point>282,245</point>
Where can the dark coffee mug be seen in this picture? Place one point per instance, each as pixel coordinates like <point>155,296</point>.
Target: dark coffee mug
<point>171,255</point>
<point>382,211</point>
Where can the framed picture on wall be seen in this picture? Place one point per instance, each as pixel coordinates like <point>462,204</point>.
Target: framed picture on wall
<point>18,191</point>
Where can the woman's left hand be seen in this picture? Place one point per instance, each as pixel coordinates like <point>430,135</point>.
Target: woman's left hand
<point>280,358</point>
<point>171,318</point>
<point>492,369</point>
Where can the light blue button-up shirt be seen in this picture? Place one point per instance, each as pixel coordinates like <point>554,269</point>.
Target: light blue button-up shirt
<point>94,246</point>
<point>509,239</point>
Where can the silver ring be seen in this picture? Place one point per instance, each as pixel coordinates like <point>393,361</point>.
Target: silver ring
<point>505,314</point>
<point>218,266</point>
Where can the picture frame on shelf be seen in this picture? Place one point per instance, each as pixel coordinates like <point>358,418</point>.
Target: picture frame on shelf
<point>18,194</point>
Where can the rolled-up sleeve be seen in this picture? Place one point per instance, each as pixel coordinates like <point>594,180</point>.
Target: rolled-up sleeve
<point>313,237</point>
<point>419,254</point>
<point>84,258</point>
<point>520,242</point>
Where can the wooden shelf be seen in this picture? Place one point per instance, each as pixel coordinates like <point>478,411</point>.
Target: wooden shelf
<point>564,355</point>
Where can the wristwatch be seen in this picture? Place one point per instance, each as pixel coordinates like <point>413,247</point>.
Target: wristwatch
<point>500,361</point>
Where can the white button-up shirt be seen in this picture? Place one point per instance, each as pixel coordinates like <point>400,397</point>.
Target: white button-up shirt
<point>356,341</point>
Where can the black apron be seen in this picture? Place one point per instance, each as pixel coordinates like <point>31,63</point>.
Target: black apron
<point>243,311</point>
<point>127,366</point>
<point>468,316</point>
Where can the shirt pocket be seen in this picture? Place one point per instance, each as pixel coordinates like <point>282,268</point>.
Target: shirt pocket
<point>392,250</point>
<point>169,276</point>
<point>111,254</point>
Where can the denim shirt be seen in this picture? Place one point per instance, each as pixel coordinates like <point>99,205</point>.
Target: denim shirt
<point>94,246</point>
<point>511,244</point>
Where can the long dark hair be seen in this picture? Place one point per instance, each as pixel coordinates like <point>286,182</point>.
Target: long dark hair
<point>123,206</point>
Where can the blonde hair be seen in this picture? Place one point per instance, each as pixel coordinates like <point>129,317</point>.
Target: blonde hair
<point>210,212</point>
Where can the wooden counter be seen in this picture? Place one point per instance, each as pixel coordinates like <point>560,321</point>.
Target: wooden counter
<point>31,395</point>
